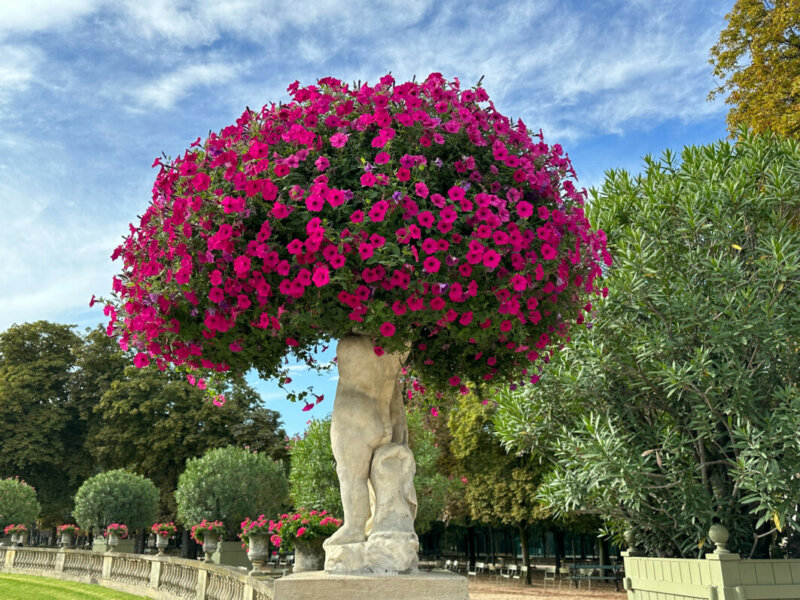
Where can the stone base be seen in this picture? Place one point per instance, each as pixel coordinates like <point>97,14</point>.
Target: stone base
<point>382,554</point>
<point>315,585</point>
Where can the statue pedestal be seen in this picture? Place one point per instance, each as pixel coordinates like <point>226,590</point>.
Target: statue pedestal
<point>314,585</point>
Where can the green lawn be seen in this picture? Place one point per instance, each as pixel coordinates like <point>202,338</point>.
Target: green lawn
<point>29,587</point>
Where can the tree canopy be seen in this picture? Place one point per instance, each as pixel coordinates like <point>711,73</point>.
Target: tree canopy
<point>69,408</point>
<point>39,426</point>
<point>154,421</point>
<point>230,484</point>
<point>413,213</point>
<point>117,496</point>
<point>18,503</point>
<point>682,406</point>
<point>758,59</point>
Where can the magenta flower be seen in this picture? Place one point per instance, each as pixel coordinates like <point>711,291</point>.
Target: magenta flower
<point>141,360</point>
<point>338,140</point>
<point>424,225</point>
<point>431,265</point>
<point>321,276</point>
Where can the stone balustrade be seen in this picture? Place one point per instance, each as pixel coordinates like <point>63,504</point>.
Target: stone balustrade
<point>162,578</point>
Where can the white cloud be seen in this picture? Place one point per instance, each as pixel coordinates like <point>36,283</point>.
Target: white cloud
<point>168,89</point>
<point>17,69</point>
<point>36,15</point>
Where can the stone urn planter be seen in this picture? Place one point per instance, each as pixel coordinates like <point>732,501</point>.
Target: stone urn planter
<point>309,555</point>
<point>66,539</point>
<point>162,541</point>
<point>16,538</point>
<point>209,546</point>
<point>113,540</point>
<point>257,550</point>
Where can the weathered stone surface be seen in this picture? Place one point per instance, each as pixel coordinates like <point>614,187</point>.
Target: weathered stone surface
<point>421,586</point>
<point>384,553</point>
<point>392,479</point>
<point>376,468</point>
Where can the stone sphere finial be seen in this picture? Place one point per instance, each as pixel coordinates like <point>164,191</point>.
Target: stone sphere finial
<point>719,535</point>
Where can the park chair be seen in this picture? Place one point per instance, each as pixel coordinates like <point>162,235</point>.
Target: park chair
<point>549,575</point>
<point>476,570</point>
<point>511,572</point>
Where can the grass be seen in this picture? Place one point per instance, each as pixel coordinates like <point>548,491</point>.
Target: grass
<point>30,587</point>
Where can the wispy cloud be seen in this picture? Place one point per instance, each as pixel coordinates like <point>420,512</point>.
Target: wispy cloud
<point>18,16</point>
<point>170,88</point>
<point>17,69</point>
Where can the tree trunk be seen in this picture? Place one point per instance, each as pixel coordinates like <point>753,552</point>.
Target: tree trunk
<point>526,557</point>
<point>471,543</point>
<point>188,547</point>
<point>492,553</point>
<point>558,538</point>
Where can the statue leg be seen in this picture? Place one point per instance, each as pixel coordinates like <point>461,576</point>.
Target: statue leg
<point>357,428</point>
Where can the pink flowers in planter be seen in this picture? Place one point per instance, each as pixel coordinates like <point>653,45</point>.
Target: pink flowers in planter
<point>164,529</point>
<point>415,210</point>
<point>119,528</point>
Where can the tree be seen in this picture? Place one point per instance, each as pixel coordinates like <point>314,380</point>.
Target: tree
<point>758,59</point>
<point>117,496</point>
<point>498,487</point>
<point>36,415</point>
<point>415,213</point>
<point>230,484</point>
<point>153,421</point>
<point>682,407</point>
<point>314,484</point>
<point>18,503</point>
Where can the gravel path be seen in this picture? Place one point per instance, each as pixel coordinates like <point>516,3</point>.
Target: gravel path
<point>484,589</point>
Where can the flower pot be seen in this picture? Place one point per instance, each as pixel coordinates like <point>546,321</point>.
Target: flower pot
<point>209,545</point>
<point>257,550</point>
<point>309,555</point>
<point>66,539</point>
<point>113,540</point>
<point>162,541</point>
<point>16,538</point>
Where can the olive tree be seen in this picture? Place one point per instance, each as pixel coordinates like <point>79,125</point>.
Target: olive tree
<point>230,484</point>
<point>117,496</point>
<point>18,503</point>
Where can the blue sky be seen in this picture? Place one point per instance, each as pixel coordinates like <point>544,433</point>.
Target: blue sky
<point>91,91</point>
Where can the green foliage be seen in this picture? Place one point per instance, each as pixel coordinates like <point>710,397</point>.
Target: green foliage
<point>497,487</point>
<point>116,497</point>
<point>153,421</point>
<point>18,503</point>
<point>39,429</point>
<point>681,406</point>
<point>312,475</point>
<point>758,59</point>
<point>315,485</point>
<point>230,484</point>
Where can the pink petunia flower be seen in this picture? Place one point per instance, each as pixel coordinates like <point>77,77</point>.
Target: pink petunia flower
<point>387,329</point>
<point>338,140</point>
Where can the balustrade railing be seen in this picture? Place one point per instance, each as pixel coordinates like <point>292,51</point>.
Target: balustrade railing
<point>153,576</point>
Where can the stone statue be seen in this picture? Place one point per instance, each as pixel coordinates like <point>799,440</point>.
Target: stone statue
<point>375,466</point>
